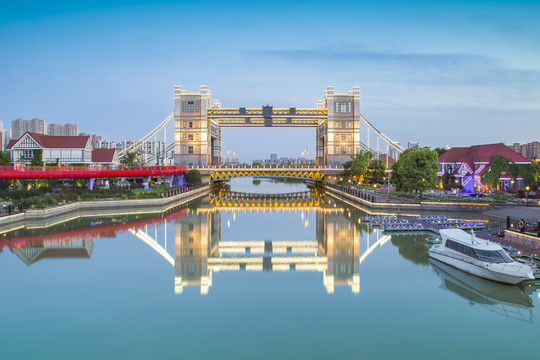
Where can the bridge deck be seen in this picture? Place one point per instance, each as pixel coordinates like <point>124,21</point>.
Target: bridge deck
<point>77,172</point>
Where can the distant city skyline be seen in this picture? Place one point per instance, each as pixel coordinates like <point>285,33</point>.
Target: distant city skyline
<point>437,73</point>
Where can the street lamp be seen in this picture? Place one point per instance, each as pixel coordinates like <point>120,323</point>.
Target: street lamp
<point>527,196</point>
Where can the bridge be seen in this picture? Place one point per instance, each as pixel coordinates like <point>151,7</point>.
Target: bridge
<point>87,172</point>
<point>337,121</point>
<point>341,129</point>
<point>306,172</point>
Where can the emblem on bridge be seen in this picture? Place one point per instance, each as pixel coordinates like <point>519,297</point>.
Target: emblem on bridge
<point>267,114</point>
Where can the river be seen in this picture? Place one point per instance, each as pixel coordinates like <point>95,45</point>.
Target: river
<point>235,277</point>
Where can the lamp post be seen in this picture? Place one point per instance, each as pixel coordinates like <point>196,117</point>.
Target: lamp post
<point>527,196</point>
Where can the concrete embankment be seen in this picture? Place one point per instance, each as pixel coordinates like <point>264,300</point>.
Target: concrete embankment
<point>35,217</point>
<point>378,203</point>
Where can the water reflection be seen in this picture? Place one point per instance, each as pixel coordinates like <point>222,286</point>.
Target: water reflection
<point>189,238</point>
<point>506,300</point>
<point>199,251</point>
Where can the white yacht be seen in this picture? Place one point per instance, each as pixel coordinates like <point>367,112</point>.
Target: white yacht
<point>479,257</point>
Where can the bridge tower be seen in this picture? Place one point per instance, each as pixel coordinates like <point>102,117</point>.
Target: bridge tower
<point>339,139</point>
<point>196,140</point>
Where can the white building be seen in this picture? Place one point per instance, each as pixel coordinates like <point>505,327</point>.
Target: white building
<point>65,149</point>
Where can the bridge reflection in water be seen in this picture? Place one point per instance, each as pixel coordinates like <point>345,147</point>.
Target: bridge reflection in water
<point>225,198</point>
<point>337,250</point>
<point>199,251</point>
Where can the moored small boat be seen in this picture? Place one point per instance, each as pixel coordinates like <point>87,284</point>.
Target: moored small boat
<point>479,257</point>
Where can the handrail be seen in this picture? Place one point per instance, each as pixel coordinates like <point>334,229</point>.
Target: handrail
<point>81,168</point>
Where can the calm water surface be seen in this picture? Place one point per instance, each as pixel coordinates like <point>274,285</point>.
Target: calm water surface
<point>234,282</point>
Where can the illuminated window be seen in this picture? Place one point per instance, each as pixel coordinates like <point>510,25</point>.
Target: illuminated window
<point>349,104</point>
<point>337,106</point>
<point>343,107</point>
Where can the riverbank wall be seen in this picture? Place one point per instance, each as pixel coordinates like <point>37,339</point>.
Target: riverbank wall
<point>378,203</point>
<point>169,200</point>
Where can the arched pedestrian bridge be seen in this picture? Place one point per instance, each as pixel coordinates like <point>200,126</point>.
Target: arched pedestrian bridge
<point>304,172</point>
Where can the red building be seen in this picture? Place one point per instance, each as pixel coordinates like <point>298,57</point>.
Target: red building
<point>467,164</point>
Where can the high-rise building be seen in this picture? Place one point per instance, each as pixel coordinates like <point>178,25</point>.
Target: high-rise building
<point>56,130</point>
<point>530,150</point>
<point>38,126</point>
<point>71,129</point>
<point>96,140</point>
<point>413,144</point>
<point>20,126</point>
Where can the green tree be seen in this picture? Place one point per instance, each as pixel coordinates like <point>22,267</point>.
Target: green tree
<point>256,163</point>
<point>440,151</point>
<point>396,179</point>
<point>193,176</point>
<point>132,158</point>
<point>377,168</point>
<point>5,159</point>
<point>37,159</point>
<point>360,162</point>
<point>493,173</point>
<point>416,170</point>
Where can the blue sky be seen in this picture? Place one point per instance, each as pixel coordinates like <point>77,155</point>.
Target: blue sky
<point>442,73</point>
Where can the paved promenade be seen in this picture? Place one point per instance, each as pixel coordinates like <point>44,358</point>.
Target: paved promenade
<point>531,214</point>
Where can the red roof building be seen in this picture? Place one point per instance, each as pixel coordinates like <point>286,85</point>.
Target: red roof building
<point>105,157</point>
<point>64,149</point>
<point>468,163</point>
<point>387,159</point>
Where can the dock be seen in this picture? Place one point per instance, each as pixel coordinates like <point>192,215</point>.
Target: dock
<point>404,224</point>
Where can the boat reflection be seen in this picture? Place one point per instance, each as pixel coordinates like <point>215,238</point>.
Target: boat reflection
<point>506,300</point>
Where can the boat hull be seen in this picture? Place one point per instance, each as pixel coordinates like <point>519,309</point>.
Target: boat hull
<point>480,270</point>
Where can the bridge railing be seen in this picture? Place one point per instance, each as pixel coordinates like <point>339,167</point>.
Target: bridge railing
<point>265,167</point>
<point>83,168</point>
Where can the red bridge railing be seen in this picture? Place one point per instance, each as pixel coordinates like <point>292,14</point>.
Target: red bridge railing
<point>89,171</point>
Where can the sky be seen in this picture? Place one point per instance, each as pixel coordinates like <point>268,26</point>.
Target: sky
<point>441,73</point>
